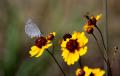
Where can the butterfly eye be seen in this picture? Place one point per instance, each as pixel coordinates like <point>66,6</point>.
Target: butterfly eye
<point>31,29</point>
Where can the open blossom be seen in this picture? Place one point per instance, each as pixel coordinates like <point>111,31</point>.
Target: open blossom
<point>73,46</point>
<point>41,43</point>
<point>86,71</point>
<point>91,23</point>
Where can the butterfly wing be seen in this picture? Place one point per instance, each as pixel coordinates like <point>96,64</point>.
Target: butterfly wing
<point>31,29</point>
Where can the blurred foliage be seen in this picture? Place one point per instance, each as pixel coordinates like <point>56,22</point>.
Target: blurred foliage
<point>12,39</point>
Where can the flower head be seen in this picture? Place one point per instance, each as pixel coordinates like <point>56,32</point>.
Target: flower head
<point>51,36</point>
<point>41,43</point>
<point>91,23</point>
<point>86,71</point>
<point>74,47</point>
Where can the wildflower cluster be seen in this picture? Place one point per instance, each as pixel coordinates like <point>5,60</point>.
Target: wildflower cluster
<point>73,46</point>
<point>41,43</point>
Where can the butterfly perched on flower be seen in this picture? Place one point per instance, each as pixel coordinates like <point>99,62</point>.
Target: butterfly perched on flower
<point>41,42</point>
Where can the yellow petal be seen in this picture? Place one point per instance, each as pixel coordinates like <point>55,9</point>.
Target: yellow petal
<point>43,49</point>
<point>74,35</point>
<point>82,39</point>
<point>83,51</point>
<point>85,27</point>
<point>98,72</point>
<point>54,33</point>
<point>72,58</point>
<point>87,71</point>
<point>76,56</point>
<point>63,44</point>
<point>40,52</point>
<point>98,17</point>
<point>47,45</point>
<point>34,50</point>
<point>69,59</point>
<point>65,54</point>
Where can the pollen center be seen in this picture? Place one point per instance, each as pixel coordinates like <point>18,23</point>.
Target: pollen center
<point>72,45</point>
<point>40,41</point>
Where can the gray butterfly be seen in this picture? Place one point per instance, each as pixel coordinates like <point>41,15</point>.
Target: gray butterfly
<point>31,29</point>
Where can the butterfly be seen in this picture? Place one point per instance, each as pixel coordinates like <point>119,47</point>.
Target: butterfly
<point>31,29</point>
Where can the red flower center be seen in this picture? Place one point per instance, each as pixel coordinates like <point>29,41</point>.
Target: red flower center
<point>50,37</point>
<point>81,73</point>
<point>67,36</point>
<point>40,41</point>
<point>72,45</point>
<point>92,21</point>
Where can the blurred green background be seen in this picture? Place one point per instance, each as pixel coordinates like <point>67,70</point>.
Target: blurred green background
<point>61,16</point>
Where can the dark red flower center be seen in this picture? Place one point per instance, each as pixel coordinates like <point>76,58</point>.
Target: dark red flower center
<point>50,37</point>
<point>81,73</point>
<point>40,41</point>
<point>67,36</point>
<point>90,30</point>
<point>72,45</point>
<point>92,21</point>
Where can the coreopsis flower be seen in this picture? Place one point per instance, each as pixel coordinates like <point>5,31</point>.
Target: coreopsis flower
<point>74,46</point>
<point>91,23</point>
<point>86,71</point>
<point>41,42</point>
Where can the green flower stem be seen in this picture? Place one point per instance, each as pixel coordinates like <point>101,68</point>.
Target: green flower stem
<point>56,62</point>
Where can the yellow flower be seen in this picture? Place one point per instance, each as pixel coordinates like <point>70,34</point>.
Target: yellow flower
<point>89,26</point>
<point>41,43</point>
<point>86,71</point>
<point>74,47</point>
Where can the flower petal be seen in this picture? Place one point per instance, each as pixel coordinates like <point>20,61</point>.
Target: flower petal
<point>83,51</point>
<point>34,50</point>
<point>98,17</point>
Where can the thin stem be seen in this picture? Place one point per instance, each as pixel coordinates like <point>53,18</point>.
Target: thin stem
<point>101,37</point>
<point>56,62</point>
<point>106,19</point>
<point>80,64</point>
<point>99,48</point>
